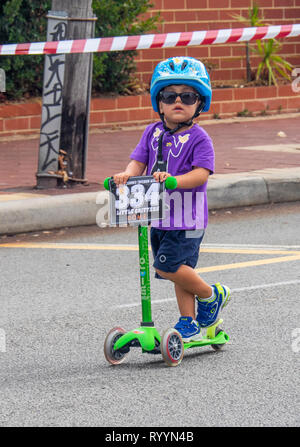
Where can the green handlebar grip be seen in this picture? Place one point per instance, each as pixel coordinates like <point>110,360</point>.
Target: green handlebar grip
<point>171,183</point>
<point>106,183</point>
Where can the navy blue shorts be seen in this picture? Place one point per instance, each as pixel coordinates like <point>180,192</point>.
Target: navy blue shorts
<point>173,248</point>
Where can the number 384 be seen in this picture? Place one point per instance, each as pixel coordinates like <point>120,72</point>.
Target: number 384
<point>136,196</point>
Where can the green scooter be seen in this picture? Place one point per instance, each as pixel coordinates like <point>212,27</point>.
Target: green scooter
<point>170,345</point>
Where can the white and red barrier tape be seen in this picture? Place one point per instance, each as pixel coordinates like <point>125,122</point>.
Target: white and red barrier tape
<point>142,42</point>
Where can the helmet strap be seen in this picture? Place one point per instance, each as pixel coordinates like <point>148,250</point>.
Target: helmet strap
<point>161,165</point>
<point>186,123</point>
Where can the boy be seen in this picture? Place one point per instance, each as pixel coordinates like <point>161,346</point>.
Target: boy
<point>180,90</point>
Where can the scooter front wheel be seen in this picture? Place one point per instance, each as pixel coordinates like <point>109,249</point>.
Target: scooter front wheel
<point>171,347</point>
<point>112,356</point>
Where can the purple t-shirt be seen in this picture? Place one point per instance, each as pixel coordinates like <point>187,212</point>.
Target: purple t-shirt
<point>187,208</point>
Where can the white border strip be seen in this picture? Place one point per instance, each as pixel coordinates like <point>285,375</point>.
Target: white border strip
<point>197,38</point>
<point>247,35</point>
<point>171,40</point>
<point>295,31</point>
<point>145,42</point>
<point>118,43</point>
<point>223,36</point>
<point>8,50</point>
<point>64,46</point>
<point>91,45</point>
<point>272,32</point>
<point>37,48</point>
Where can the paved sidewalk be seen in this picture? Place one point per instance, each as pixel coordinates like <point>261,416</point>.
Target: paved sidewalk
<point>252,155</point>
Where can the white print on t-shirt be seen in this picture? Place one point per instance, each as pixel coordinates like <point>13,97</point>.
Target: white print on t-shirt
<point>183,214</point>
<point>179,143</point>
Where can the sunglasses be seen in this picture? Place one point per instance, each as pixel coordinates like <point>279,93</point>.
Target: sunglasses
<point>187,98</point>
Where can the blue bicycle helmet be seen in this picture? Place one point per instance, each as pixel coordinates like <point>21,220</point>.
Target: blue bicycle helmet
<point>181,70</point>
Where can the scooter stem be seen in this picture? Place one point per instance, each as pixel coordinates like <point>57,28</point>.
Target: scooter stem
<point>145,276</point>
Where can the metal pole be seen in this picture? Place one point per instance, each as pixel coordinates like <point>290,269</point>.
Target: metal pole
<point>69,126</point>
<point>77,87</point>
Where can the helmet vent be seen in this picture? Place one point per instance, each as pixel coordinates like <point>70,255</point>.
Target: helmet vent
<point>184,64</point>
<point>172,66</point>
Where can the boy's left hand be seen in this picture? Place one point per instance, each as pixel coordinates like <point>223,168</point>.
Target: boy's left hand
<point>161,176</point>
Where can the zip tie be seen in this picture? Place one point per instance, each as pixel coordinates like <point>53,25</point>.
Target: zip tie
<point>73,19</point>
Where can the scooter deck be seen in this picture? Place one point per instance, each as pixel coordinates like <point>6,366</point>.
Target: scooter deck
<point>211,337</point>
<point>148,338</point>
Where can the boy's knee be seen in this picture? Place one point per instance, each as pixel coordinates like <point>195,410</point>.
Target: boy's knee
<point>167,275</point>
<point>163,274</point>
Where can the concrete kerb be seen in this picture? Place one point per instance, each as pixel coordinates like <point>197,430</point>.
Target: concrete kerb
<point>70,210</point>
<point>232,190</point>
<point>283,184</point>
<point>254,188</point>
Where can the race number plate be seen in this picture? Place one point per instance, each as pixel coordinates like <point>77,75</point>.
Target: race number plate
<point>139,202</point>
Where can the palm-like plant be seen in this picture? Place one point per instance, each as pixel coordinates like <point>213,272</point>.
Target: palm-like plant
<point>253,20</point>
<point>271,63</point>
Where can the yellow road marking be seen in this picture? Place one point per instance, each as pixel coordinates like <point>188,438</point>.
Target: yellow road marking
<point>249,251</point>
<point>290,255</point>
<point>82,246</point>
<point>59,246</point>
<point>246,264</point>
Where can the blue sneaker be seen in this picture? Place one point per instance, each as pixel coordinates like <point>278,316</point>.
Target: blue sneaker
<point>208,310</point>
<point>188,328</point>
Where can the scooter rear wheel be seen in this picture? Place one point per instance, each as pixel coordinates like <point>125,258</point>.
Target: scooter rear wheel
<point>219,346</point>
<point>112,356</point>
<point>171,347</point>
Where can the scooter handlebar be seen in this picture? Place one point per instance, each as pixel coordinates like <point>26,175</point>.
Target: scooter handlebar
<point>106,183</point>
<point>171,183</point>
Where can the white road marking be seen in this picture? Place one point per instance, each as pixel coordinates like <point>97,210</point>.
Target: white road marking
<point>258,246</point>
<point>237,290</point>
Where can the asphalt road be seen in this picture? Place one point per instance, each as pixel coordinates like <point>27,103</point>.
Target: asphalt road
<point>58,302</point>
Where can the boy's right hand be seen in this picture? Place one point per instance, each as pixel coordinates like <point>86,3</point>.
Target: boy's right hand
<point>121,178</point>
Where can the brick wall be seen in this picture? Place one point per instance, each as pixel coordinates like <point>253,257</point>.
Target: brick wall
<point>111,113</point>
<point>188,15</point>
<point>195,15</point>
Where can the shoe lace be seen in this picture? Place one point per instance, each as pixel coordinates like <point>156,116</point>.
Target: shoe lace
<point>182,324</point>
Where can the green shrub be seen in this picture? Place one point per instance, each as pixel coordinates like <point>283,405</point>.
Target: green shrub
<point>252,20</point>
<point>113,71</point>
<point>25,21</point>
<point>271,66</point>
